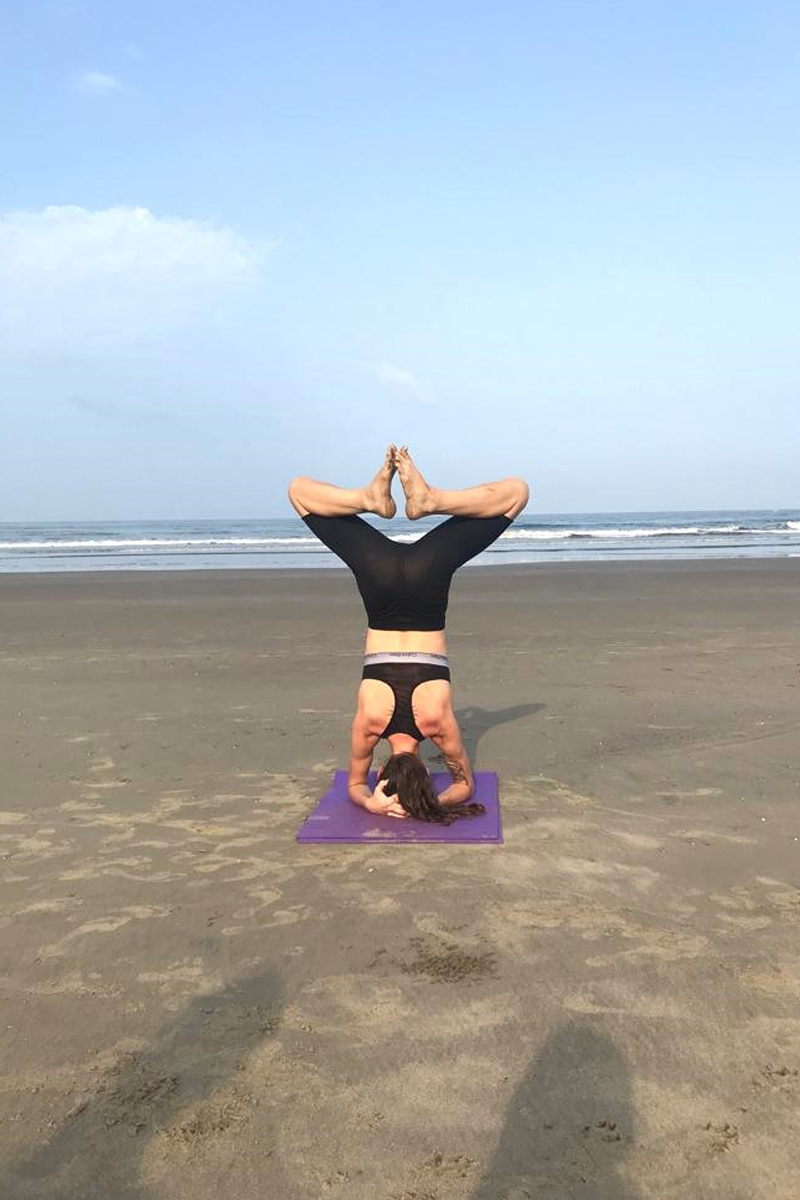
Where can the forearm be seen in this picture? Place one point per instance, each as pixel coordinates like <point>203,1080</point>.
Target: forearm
<point>360,794</point>
<point>456,793</point>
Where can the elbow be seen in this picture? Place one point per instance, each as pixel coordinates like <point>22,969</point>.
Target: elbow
<point>355,795</point>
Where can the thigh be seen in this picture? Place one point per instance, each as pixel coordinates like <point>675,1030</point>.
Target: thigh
<point>458,539</point>
<point>357,543</point>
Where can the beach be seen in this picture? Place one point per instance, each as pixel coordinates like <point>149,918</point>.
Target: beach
<point>605,1007</point>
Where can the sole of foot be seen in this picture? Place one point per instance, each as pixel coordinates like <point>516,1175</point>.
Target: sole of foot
<point>417,492</point>
<point>380,490</point>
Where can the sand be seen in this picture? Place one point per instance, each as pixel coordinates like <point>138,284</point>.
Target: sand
<point>607,1007</point>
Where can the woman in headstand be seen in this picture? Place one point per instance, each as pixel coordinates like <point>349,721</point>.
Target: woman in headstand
<point>404,694</point>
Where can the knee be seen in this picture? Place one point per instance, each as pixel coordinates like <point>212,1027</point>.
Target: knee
<point>296,491</point>
<point>521,495</point>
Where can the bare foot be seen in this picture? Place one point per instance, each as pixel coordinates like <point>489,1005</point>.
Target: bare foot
<point>419,496</point>
<point>380,490</point>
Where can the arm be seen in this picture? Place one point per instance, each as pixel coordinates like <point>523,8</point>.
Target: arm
<point>448,739</point>
<point>362,745</point>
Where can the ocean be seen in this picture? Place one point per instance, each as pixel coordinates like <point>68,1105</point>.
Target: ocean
<point>286,542</point>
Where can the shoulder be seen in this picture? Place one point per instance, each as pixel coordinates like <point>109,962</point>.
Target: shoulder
<point>375,703</point>
<point>445,732</point>
<point>432,703</point>
<point>365,728</point>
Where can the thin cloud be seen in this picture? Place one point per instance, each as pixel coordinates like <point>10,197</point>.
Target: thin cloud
<point>401,382</point>
<point>80,279</point>
<point>98,83</point>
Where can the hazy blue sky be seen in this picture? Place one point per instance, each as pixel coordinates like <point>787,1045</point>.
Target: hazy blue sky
<point>243,241</point>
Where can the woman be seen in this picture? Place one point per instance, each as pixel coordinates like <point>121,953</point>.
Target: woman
<point>404,694</point>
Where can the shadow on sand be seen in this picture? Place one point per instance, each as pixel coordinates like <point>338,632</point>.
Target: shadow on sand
<point>171,1086</point>
<point>474,722</point>
<point>568,1125</point>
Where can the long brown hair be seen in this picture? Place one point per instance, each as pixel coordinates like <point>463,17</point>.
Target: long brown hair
<point>407,776</point>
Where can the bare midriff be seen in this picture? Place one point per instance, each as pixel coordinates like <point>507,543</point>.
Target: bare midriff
<point>429,641</point>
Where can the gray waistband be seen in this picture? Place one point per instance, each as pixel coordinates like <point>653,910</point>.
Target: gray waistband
<point>387,656</point>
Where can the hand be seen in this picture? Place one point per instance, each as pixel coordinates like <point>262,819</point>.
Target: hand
<point>383,805</point>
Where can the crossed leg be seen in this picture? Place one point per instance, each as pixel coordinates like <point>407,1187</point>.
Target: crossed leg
<point>506,497</point>
<point>327,500</point>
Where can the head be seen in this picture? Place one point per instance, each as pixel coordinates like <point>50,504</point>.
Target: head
<point>407,776</point>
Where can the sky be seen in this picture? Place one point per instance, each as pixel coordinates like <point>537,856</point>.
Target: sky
<point>242,242</point>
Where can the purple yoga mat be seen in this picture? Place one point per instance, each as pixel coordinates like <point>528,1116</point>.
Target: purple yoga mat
<point>337,819</point>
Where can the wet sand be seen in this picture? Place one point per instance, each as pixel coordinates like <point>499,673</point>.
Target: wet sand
<point>607,1007</point>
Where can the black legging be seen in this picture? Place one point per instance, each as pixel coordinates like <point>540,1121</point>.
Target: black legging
<point>405,585</point>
